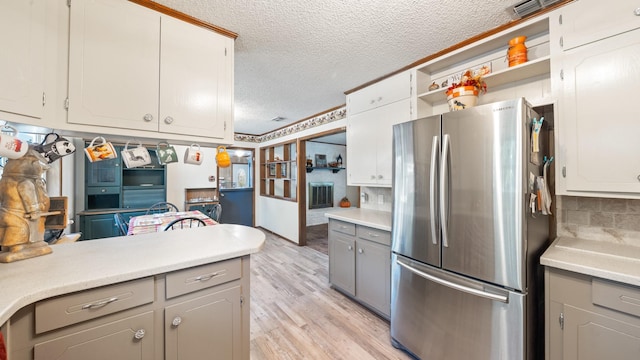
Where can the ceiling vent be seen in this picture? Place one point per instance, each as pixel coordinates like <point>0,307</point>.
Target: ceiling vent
<point>527,7</point>
<point>278,119</point>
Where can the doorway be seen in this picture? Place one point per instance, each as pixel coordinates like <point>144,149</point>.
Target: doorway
<point>236,188</point>
<point>323,183</point>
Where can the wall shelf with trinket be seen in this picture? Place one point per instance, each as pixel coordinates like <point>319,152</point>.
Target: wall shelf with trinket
<point>488,56</point>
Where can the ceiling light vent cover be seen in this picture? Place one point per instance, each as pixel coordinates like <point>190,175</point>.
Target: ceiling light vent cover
<point>278,119</point>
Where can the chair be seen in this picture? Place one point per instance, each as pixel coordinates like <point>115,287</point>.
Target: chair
<point>185,223</point>
<point>215,212</point>
<point>121,224</point>
<point>161,207</point>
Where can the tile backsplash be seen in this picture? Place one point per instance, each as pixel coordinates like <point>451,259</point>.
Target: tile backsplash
<point>603,219</point>
<point>375,198</point>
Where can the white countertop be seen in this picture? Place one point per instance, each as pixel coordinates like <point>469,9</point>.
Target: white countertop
<point>606,260</point>
<point>93,263</point>
<point>372,218</point>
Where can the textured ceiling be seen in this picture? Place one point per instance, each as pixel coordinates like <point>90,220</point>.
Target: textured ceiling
<point>295,59</point>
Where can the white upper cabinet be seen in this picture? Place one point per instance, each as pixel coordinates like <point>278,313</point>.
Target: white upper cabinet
<point>598,143</point>
<point>22,63</point>
<point>370,143</point>
<point>134,68</point>
<point>196,82</point>
<point>371,114</point>
<point>113,65</point>
<point>592,20</point>
<point>381,93</point>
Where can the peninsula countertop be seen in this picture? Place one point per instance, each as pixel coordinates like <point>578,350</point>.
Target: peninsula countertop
<point>605,260</point>
<point>94,263</point>
<point>372,218</point>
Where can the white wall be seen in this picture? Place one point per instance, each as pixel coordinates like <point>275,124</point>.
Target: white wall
<point>281,216</point>
<point>181,176</point>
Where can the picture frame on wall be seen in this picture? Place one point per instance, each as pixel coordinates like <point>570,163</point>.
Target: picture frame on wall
<point>283,171</point>
<point>272,170</point>
<point>321,160</point>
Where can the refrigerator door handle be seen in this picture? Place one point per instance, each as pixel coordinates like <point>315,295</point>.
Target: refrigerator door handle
<point>444,162</point>
<point>449,284</point>
<point>433,183</point>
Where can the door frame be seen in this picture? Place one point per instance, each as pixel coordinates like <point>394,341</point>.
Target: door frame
<point>253,177</point>
<point>302,180</point>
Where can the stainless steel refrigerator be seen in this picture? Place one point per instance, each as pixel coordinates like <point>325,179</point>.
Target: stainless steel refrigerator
<point>466,280</point>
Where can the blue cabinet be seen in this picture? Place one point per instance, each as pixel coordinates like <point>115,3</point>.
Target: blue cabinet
<point>102,225</point>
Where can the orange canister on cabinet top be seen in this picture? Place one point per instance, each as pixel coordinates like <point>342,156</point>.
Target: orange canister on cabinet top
<point>517,52</point>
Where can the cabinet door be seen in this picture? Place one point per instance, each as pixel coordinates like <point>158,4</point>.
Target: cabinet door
<point>389,115</point>
<point>600,124</point>
<point>98,226</point>
<point>373,275</point>
<point>103,173</point>
<point>127,339</point>
<point>113,64</point>
<point>342,267</point>
<point>369,140</point>
<point>204,328</point>
<point>385,92</point>
<point>22,40</point>
<point>194,76</point>
<point>586,21</point>
<point>589,336</point>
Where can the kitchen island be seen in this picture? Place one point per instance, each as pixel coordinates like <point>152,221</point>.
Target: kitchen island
<point>144,288</point>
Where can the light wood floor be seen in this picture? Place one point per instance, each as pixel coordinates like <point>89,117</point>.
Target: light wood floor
<point>296,315</point>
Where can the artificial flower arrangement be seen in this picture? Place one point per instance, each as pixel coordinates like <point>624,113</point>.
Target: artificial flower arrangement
<point>464,94</point>
<point>469,79</point>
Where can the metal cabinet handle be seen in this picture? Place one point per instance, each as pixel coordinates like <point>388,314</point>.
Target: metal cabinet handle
<point>176,321</point>
<point>99,303</point>
<point>168,120</point>
<point>638,178</point>
<point>637,11</point>
<point>373,234</point>
<point>206,277</point>
<point>380,177</point>
<point>360,251</point>
<point>373,177</point>
<point>147,117</point>
<point>349,247</point>
<point>139,334</point>
<point>103,190</point>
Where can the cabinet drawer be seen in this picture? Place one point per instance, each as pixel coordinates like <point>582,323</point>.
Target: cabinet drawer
<point>616,296</point>
<point>375,235</point>
<point>97,190</point>
<point>201,277</point>
<point>342,226</point>
<point>73,308</point>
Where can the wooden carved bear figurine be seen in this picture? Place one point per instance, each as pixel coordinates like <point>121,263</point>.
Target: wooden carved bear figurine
<point>23,208</point>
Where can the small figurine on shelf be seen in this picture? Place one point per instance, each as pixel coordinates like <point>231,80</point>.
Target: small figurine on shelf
<point>309,163</point>
<point>434,86</point>
<point>339,160</point>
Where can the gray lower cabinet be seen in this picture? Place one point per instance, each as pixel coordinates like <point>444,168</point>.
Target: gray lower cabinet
<point>115,340</point>
<point>590,318</point>
<point>360,264</point>
<point>195,313</point>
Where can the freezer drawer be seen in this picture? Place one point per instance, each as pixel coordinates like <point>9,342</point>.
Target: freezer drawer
<point>439,315</point>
